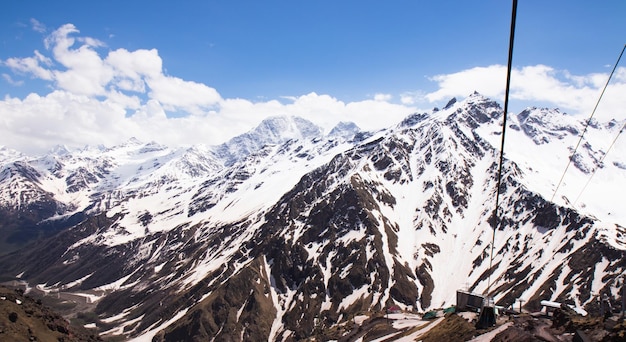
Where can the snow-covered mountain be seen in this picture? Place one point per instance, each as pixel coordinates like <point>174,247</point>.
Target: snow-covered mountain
<point>283,227</point>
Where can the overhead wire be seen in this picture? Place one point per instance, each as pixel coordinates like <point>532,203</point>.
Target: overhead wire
<point>600,163</point>
<point>506,109</point>
<point>587,123</point>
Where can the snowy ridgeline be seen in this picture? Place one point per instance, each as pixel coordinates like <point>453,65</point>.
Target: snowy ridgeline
<point>326,225</point>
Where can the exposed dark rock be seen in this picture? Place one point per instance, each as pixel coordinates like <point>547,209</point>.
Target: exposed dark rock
<point>23,319</point>
<point>241,307</point>
<point>450,103</point>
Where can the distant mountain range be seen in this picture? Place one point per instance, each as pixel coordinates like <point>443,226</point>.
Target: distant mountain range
<point>283,227</point>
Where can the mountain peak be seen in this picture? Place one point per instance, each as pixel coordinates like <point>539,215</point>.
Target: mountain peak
<point>133,141</point>
<point>280,128</point>
<point>272,130</point>
<point>8,153</point>
<point>60,150</point>
<point>477,97</point>
<point>474,110</point>
<point>542,124</point>
<point>450,103</point>
<point>345,130</point>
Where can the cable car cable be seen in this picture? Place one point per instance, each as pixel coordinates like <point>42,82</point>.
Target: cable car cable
<point>587,124</point>
<point>506,109</point>
<point>599,163</point>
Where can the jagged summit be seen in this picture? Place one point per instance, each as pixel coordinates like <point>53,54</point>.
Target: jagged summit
<point>9,154</point>
<point>414,119</point>
<point>344,130</point>
<point>280,128</point>
<point>450,103</point>
<point>132,141</point>
<point>544,124</point>
<point>475,110</point>
<point>60,150</point>
<point>273,130</point>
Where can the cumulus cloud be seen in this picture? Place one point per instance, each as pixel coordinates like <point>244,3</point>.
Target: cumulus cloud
<point>576,94</point>
<point>33,123</point>
<point>77,66</point>
<point>131,68</point>
<point>104,96</point>
<point>489,81</point>
<point>174,93</point>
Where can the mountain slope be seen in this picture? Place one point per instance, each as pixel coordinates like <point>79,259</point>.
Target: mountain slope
<point>269,238</point>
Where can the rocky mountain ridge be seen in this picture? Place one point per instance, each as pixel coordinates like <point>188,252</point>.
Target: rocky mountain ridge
<point>261,239</point>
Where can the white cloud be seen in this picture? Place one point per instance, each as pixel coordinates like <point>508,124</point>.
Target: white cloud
<point>412,97</point>
<point>85,72</point>
<point>105,97</point>
<point>488,81</point>
<point>327,111</point>
<point>134,66</point>
<point>11,81</point>
<point>383,97</point>
<point>37,25</point>
<point>31,65</point>
<point>174,92</point>
<point>576,94</point>
<point>37,123</point>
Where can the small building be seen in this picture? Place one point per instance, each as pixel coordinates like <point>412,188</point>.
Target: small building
<point>468,301</point>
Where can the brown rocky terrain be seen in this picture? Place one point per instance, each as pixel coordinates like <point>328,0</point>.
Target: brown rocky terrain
<point>23,318</point>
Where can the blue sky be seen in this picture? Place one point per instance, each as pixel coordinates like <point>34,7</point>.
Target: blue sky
<point>211,69</point>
